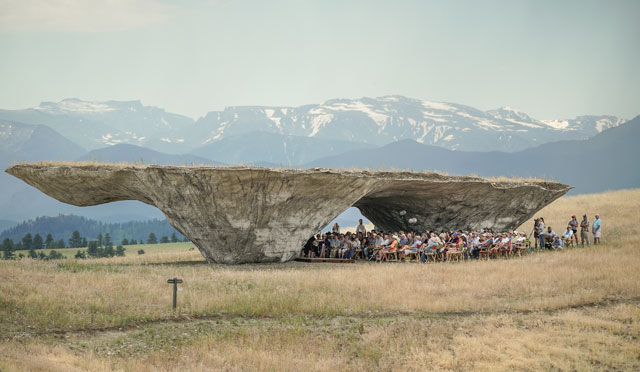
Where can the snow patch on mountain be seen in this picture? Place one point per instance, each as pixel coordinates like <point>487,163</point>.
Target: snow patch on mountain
<point>319,121</point>
<point>73,105</point>
<point>438,106</point>
<point>603,124</point>
<point>557,124</point>
<point>275,119</point>
<point>376,116</point>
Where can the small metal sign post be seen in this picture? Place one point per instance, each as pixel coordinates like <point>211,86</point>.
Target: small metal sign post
<point>175,282</point>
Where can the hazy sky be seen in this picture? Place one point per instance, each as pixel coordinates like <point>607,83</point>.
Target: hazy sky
<point>551,59</point>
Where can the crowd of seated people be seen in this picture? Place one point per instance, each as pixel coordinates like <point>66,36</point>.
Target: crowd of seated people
<point>439,246</point>
<point>403,246</point>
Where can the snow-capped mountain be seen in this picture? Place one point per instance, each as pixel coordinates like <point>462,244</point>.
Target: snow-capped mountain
<point>97,124</point>
<point>387,119</point>
<point>590,125</point>
<point>374,121</point>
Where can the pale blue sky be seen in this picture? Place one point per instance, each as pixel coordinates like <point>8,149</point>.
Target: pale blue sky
<point>551,59</point>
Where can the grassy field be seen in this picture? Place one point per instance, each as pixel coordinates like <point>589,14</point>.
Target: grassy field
<point>131,250</point>
<point>573,310</point>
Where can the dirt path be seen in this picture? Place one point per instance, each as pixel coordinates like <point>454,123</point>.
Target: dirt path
<point>372,315</point>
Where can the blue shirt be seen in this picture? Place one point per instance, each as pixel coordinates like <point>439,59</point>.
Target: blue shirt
<point>596,224</point>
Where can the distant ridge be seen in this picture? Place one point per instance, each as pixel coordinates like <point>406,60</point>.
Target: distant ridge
<point>126,153</point>
<point>263,148</point>
<point>608,161</point>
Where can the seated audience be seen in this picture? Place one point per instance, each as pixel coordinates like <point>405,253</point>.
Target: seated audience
<point>382,246</point>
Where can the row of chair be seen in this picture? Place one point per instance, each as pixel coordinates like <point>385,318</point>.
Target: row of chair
<point>455,253</point>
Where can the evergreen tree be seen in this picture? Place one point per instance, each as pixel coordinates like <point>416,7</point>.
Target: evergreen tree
<point>8,249</point>
<point>37,242</point>
<point>76,240</point>
<point>53,255</point>
<point>92,249</point>
<point>164,240</point>
<point>108,251</point>
<point>174,238</point>
<point>185,240</point>
<point>100,240</point>
<point>107,240</point>
<point>120,251</point>
<point>125,241</point>
<point>27,241</point>
<point>41,255</point>
<point>80,255</point>
<point>133,242</point>
<point>60,244</point>
<point>140,251</point>
<point>152,239</point>
<point>84,242</point>
<point>48,241</point>
<point>32,253</point>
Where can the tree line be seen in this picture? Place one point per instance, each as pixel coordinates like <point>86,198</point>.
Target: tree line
<point>101,247</point>
<point>62,226</point>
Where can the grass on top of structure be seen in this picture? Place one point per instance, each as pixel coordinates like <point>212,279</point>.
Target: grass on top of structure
<point>364,171</point>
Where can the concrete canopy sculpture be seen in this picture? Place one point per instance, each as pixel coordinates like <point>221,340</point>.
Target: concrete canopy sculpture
<point>247,214</point>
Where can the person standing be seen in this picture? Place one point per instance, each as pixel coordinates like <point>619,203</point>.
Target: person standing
<point>360,229</point>
<point>336,228</point>
<point>596,229</point>
<point>584,230</point>
<point>574,227</point>
<point>541,232</point>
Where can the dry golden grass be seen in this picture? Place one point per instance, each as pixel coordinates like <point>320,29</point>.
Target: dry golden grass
<point>590,338</point>
<point>573,310</point>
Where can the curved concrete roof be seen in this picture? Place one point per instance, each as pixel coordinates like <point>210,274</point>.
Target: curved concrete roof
<point>249,214</point>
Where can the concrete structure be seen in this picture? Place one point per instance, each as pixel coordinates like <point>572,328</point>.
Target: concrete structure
<point>246,214</point>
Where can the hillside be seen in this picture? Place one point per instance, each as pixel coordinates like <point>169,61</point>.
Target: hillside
<point>125,153</point>
<point>262,147</point>
<point>25,142</point>
<point>5,224</point>
<point>62,226</point>
<point>19,201</point>
<point>605,162</point>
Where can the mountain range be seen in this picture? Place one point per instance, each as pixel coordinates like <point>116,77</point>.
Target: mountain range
<point>606,161</point>
<point>386,132</point>
<point>373,121</point>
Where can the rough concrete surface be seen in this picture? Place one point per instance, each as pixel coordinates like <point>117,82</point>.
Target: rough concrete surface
<point>248,214</point>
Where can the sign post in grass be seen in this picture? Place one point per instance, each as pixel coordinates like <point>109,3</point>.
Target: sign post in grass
<point>175,282</point>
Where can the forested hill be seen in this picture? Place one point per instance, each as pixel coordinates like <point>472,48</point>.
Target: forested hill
<point>62,226</point>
